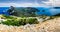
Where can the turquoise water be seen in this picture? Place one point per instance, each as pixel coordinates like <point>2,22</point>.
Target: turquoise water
<point>3,10</point>
<point>43,11</point>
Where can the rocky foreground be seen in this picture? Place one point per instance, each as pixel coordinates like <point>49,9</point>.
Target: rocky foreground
<point>52,25</point>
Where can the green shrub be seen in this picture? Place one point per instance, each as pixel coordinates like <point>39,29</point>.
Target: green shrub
<point>13,22</point>
<point>33,21</point>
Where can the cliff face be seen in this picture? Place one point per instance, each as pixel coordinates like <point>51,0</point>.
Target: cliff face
<point>52,25</point>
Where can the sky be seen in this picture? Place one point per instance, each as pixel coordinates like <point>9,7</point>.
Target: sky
<point>29,3</point>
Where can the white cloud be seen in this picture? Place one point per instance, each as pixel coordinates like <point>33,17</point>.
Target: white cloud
<point>46,3</point>
<point>19,4</point>
<point>52,3</point>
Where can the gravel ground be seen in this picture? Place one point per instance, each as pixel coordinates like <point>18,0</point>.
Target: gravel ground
<point>52,25</point>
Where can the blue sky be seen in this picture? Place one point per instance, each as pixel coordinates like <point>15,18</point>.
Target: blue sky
<point>15,1</point>
<point>21,2</point>
<point>6,1</point>
<point>30,3</point>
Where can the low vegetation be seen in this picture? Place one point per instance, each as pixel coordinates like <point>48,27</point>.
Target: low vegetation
<point>17,21</point>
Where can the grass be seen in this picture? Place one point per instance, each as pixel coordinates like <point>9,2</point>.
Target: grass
<point>17,21</point>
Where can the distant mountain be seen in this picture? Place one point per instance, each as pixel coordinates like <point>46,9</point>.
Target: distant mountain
<point>22,11</point>
<point>30,11</point>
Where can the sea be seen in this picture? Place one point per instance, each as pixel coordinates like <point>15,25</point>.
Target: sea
<point>46,10</point>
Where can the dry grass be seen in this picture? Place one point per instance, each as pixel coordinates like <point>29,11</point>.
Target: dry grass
<point>52,25</point>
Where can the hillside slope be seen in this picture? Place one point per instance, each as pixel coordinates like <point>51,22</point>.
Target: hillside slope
<point>52,25</point>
